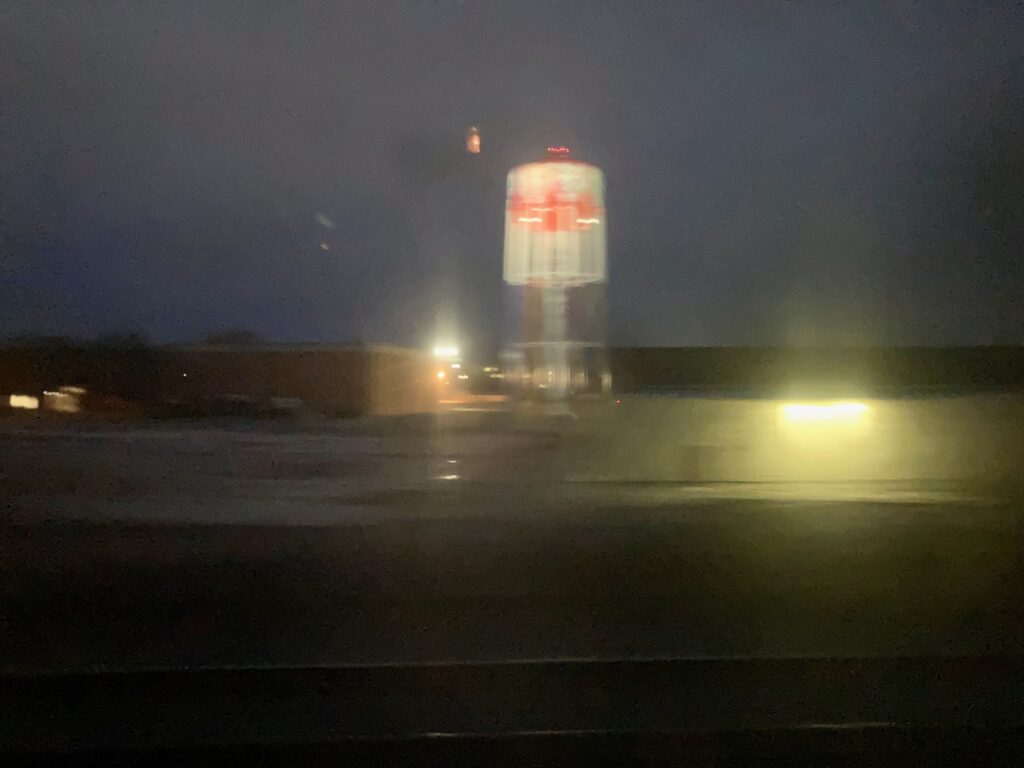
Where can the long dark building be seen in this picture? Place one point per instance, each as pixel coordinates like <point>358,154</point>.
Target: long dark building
<point>331,379</point>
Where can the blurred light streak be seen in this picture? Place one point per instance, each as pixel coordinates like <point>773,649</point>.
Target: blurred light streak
<point>27,402</point>
<point>816,413</point>
<point>448,352</point>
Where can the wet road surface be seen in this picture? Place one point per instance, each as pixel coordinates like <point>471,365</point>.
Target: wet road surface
<point>233,546</point>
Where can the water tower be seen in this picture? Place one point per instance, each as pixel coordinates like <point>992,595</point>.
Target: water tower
<point>555,274</point>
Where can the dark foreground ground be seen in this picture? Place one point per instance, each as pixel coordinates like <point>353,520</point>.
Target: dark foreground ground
<point>244,545</point>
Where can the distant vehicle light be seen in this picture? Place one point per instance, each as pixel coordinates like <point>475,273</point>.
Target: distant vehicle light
<point>441,375</point>
<point>473,140</point>
<point>463,377</point>
<point>846,412</point>
<point>27,402</point>
<point>456,365</point>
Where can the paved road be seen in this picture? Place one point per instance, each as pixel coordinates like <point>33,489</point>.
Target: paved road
<point>353,544</point>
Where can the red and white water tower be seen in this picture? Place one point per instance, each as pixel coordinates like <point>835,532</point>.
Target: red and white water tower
<point>555,273</point>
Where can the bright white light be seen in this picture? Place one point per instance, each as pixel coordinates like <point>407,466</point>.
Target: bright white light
<point>456,365</point>
<point>839,412</point>
<point>447,477</point>
<point>28,402</point>
<point>531,219</point>
<point>588,221</point>
<point>463,376</point>
<point>446,352</point>
<point>441,375</point>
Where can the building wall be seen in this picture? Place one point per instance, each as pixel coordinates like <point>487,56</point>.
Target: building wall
<point>325,380</point>
<point>337,380</point>
<point>341,380</point>
<point>400,381</point>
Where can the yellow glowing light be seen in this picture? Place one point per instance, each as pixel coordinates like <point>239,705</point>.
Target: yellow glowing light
<point>441,375</point>
<point>463,377</point>
<point>845,412</point>
<point>65,401</point>
<point>446,352</point>
<point>473,140</point>
<point>28,402</point>
<point>588,221</point>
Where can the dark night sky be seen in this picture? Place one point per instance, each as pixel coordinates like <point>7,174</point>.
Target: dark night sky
<point>777,172</point>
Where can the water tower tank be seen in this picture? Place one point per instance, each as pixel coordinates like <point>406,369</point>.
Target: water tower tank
<point>555,274</point>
